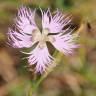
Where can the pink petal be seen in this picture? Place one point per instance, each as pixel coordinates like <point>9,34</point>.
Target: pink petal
<point>27,32</point>
<point>65,43</point>
<point>40,57</point>
<point>45,18</point>
<point>55,23</point>
<point>25,20</point>
<point>18,40</point>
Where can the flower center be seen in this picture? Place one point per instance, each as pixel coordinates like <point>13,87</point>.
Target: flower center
<point>43,38</point>
<point>44,35</point>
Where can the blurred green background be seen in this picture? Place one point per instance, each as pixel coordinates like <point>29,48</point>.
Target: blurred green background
<point>73,76</point>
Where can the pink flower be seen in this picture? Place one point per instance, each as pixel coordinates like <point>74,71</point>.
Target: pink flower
<point>26,34</point>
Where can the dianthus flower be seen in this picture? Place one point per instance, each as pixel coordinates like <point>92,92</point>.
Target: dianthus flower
<point>26,34</point>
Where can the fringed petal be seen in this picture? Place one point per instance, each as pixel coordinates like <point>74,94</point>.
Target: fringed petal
<point>25,21</point>
<point>65,43</point>
<point>40,57</point>
<point>18,40</point>
<point>55,23</point>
